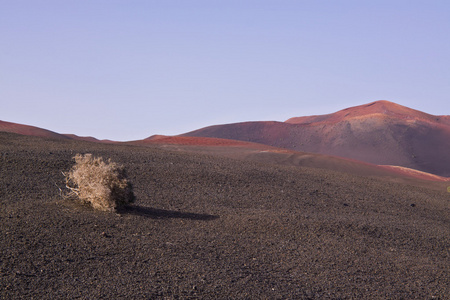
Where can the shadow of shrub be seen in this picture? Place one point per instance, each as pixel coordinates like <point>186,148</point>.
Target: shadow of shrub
<point>155,213</point>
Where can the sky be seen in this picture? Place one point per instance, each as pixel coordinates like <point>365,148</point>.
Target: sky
<point>125,70</point>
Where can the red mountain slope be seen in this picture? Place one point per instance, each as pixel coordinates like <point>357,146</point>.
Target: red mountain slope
<point>40,132</point>
<point>88,139</point>
<point>381,109</point>
<point>267,154</point>
<point>253,151</point>
<point>381,132</point>
<point>29,130</point>
<point>198,141</point>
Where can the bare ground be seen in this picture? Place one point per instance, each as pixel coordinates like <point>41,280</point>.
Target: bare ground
<point>215,228</point>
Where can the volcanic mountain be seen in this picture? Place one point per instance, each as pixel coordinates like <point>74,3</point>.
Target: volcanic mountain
<point>381,132</point>
<point>41,132</point>
<point>29,130</point>
<point>280,142</point>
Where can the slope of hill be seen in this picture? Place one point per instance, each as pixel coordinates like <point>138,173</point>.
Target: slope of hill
<point>40,132</point>
<point>197,141</point>
<point>381,109</point>
<point>29,130</point>
<point>87,138</point>
<point>252,151</point>
<point>248,151</point>
<point>207,227</point>
<point>382,133</point>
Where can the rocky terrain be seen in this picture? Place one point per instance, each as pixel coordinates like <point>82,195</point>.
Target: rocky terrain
<point>214,227</point>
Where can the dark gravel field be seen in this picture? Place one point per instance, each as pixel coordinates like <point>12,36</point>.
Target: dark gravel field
<point>206,227</point>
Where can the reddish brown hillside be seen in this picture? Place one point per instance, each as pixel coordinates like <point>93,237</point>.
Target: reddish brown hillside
<point>268,133</point>
<point>198,141</point>
<point>270,155</point>
<point>381,109</point>
<point>88,139</point>
<point>382,133</point>
<point>29,130</point>
<point>40,132</point>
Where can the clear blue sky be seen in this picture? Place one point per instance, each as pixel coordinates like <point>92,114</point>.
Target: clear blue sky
<point>127,69</point>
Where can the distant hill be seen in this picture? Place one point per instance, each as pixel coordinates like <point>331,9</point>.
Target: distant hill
<point>251,151</point>
<point>40,132</point>
<point>87,138</point>
<point>198,141</point>
<point>381,132</point>
<point>29,130</point>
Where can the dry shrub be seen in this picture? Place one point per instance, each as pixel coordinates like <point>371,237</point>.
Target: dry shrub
<point>101,184</point>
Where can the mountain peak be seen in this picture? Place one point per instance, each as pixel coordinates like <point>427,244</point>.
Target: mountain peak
<point>384,107</point>
<point>380,108</point>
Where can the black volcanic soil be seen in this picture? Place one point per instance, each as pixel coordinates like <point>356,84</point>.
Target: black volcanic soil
<point>215,228</point>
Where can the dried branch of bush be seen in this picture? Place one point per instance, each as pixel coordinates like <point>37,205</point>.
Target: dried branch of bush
<point>101,184</point>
